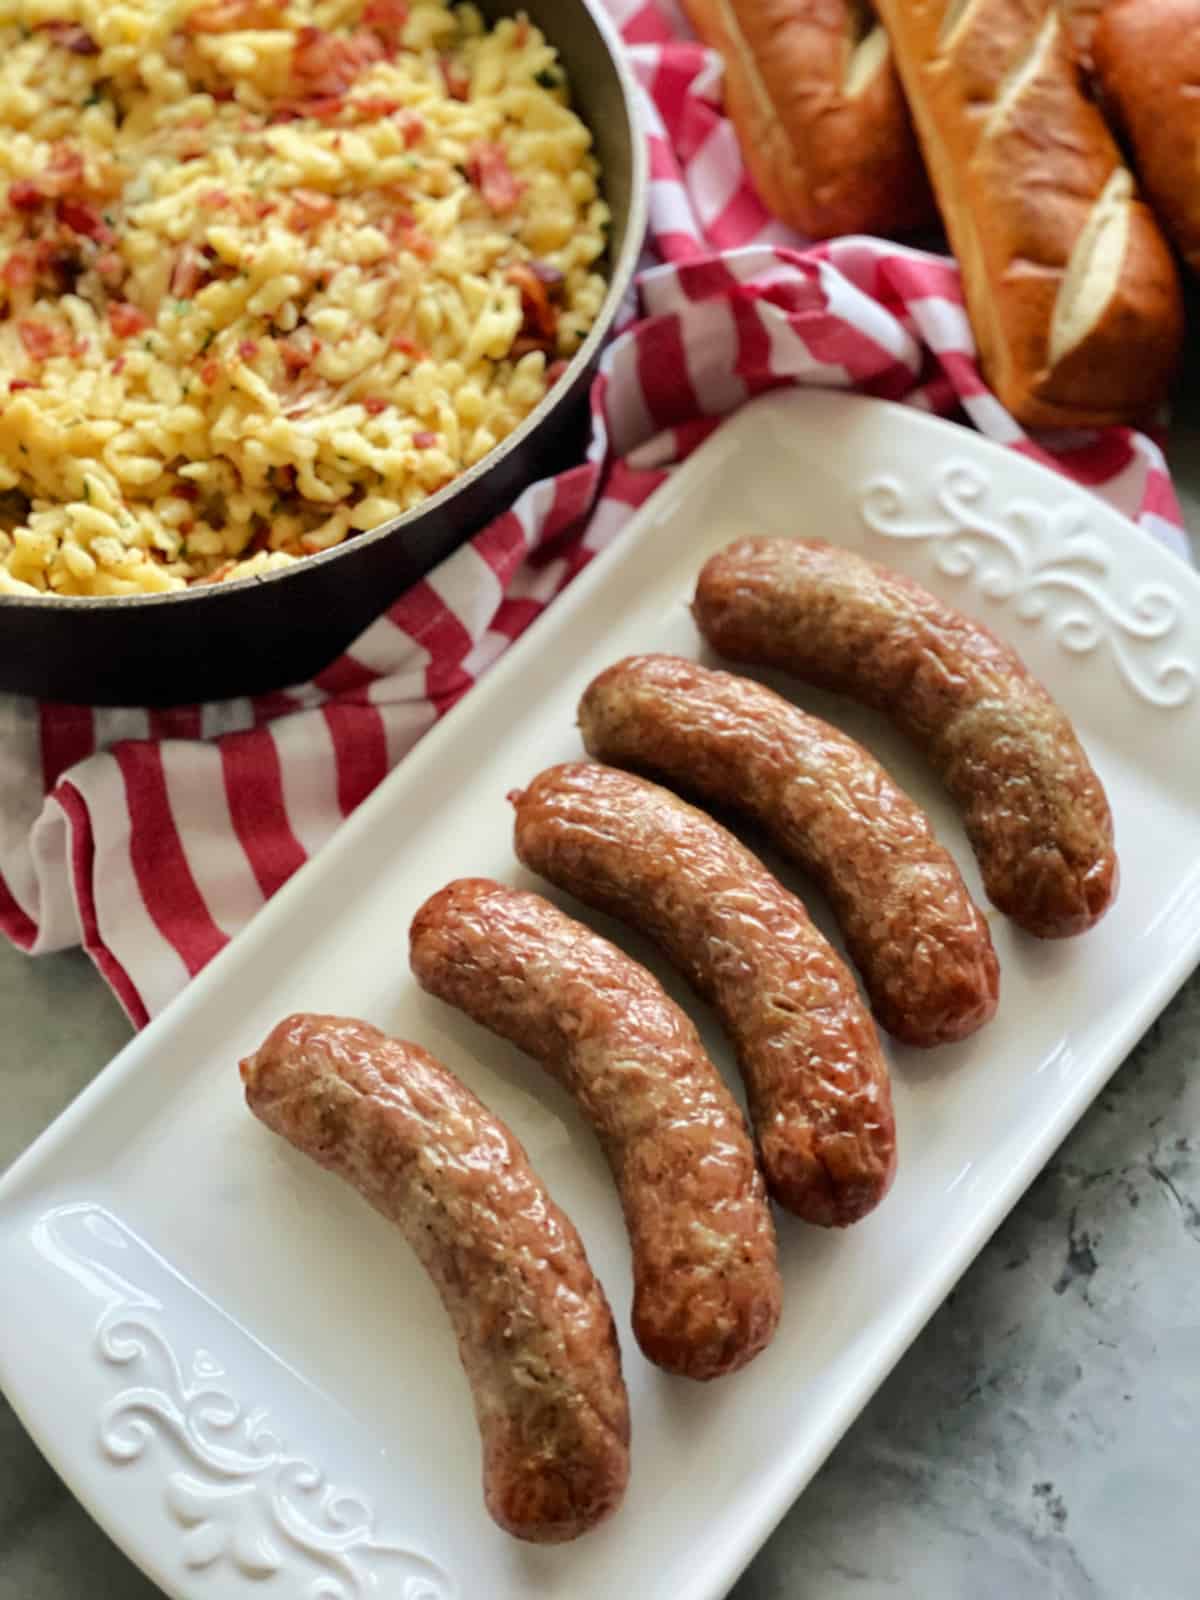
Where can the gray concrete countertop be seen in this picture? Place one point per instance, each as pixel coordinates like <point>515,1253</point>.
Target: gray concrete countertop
<point>1040,1441</point>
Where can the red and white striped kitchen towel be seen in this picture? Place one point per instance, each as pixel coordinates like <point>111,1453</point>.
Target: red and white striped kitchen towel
<point>151,837</point>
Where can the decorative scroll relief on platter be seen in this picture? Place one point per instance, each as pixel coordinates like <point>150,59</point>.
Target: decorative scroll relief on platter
<point>1049,564</point>
<point>236,1495</point>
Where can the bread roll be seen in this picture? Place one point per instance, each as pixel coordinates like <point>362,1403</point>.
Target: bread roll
<point>1070,286</point>
<point>1148,64</point>
<point>1080,18</point>
<point>819,113</point>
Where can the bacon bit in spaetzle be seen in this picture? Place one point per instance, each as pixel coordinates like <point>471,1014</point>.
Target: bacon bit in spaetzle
<point>298,359</point>
<point>39,339</point>
<point>125,320</point>
<point>326,64</point>
<point>70,37</point>
<point>234,16</point>
<point>489,171</point>
<point>540,317</point>
<point>25,195</point>
<point>456,78</point>
<point>388,19</point>
<point>19,271</point>
<point>85,220</point>
<point>191,269</point>
<point>309,207</point>
<point>412,127</point>
<point>65,171</point>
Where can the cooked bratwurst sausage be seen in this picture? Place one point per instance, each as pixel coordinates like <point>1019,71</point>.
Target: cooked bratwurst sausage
<point>706,1286</point>
<point>535,1333</point>
<point>912,929</point>
<point>815,1076</point>
<point>1034,810</point>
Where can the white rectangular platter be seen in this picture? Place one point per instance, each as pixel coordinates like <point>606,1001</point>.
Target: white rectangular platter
<point>238,1367</point>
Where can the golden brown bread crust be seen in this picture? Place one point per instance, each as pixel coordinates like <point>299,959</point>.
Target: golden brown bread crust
<point>920,944</point>
<point>535,1333</point>
<point>1070,286</point>
<point>1147,57</point>
<point>706,1286</point>
<point>819,113</point>
<point>815,1076</point>
<point>1080,18</point>
<point>1035,812</point>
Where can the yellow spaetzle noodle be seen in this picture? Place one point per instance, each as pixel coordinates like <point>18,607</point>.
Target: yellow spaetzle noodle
<point>271,272</point>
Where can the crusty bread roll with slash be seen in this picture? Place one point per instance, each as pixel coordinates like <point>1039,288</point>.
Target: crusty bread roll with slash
<point>819,112</point>
<point>1148,62</point>
<point>1070,286</point>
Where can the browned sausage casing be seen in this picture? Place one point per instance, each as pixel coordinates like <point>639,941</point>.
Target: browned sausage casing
<point>1035,812</point>
<point>815,1076</point>
<point>915,934</point>
<point>534,1330</point>
<point>706,1285</point>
